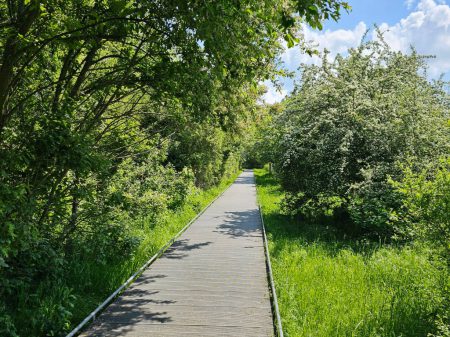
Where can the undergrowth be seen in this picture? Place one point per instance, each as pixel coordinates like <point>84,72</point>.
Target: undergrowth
<point>331,285</point>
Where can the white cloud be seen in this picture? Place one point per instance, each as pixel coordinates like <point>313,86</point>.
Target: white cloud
<point>426,28</point>
<point>335,41</point>
<point>273,94</point>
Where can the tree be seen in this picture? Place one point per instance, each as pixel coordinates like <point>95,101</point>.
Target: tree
<point>348,125</point>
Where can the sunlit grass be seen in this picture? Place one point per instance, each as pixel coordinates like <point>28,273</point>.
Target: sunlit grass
<point>331,285</point>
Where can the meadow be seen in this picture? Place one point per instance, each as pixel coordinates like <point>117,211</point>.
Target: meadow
<point>330,284</point>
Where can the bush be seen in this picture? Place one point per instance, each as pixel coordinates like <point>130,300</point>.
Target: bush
<point>425,212</point>
<point>139,190</point>
<point>348,125</point>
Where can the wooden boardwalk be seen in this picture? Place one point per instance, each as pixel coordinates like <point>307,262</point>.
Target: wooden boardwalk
<point>211,282</point>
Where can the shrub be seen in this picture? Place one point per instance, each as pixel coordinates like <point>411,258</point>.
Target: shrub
<point>425,212</point>
<point>347,126</point>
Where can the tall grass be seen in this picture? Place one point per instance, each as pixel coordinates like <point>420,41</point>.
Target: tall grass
<point>332,285</point>
<point>93,282</point>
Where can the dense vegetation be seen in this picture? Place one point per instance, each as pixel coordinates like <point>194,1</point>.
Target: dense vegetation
<point>120,119</point>
<point>361,152</point>
<point>350,127</point>
<point>330,284</point>
<point>114,116</point>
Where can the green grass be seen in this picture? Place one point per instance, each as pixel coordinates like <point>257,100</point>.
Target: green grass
<point>92,282</point>
<point>330,285</point>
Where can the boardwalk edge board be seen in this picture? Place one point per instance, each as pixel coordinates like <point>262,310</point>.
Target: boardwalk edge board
<point>92,316</point>
<point>276,311</point>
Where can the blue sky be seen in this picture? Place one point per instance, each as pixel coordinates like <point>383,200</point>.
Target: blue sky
<point>425,24</point>
<point>371,11</point>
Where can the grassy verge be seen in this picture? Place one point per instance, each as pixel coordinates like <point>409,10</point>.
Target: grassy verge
<point>330,285</point>
<point>92,283</point>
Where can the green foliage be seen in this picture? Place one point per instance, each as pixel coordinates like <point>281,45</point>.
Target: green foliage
<point>206,150</point>
<point>331,285</point>
<point>95,97</point>
<point>260,143</point>
<point>110,111</point>
<point>425,205</point>
<point>347,126</point>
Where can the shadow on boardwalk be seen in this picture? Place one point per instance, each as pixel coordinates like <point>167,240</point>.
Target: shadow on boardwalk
<point>247,180</point>
<point>130,309</point>
<point>181,248</point>
<point>241,224</point>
